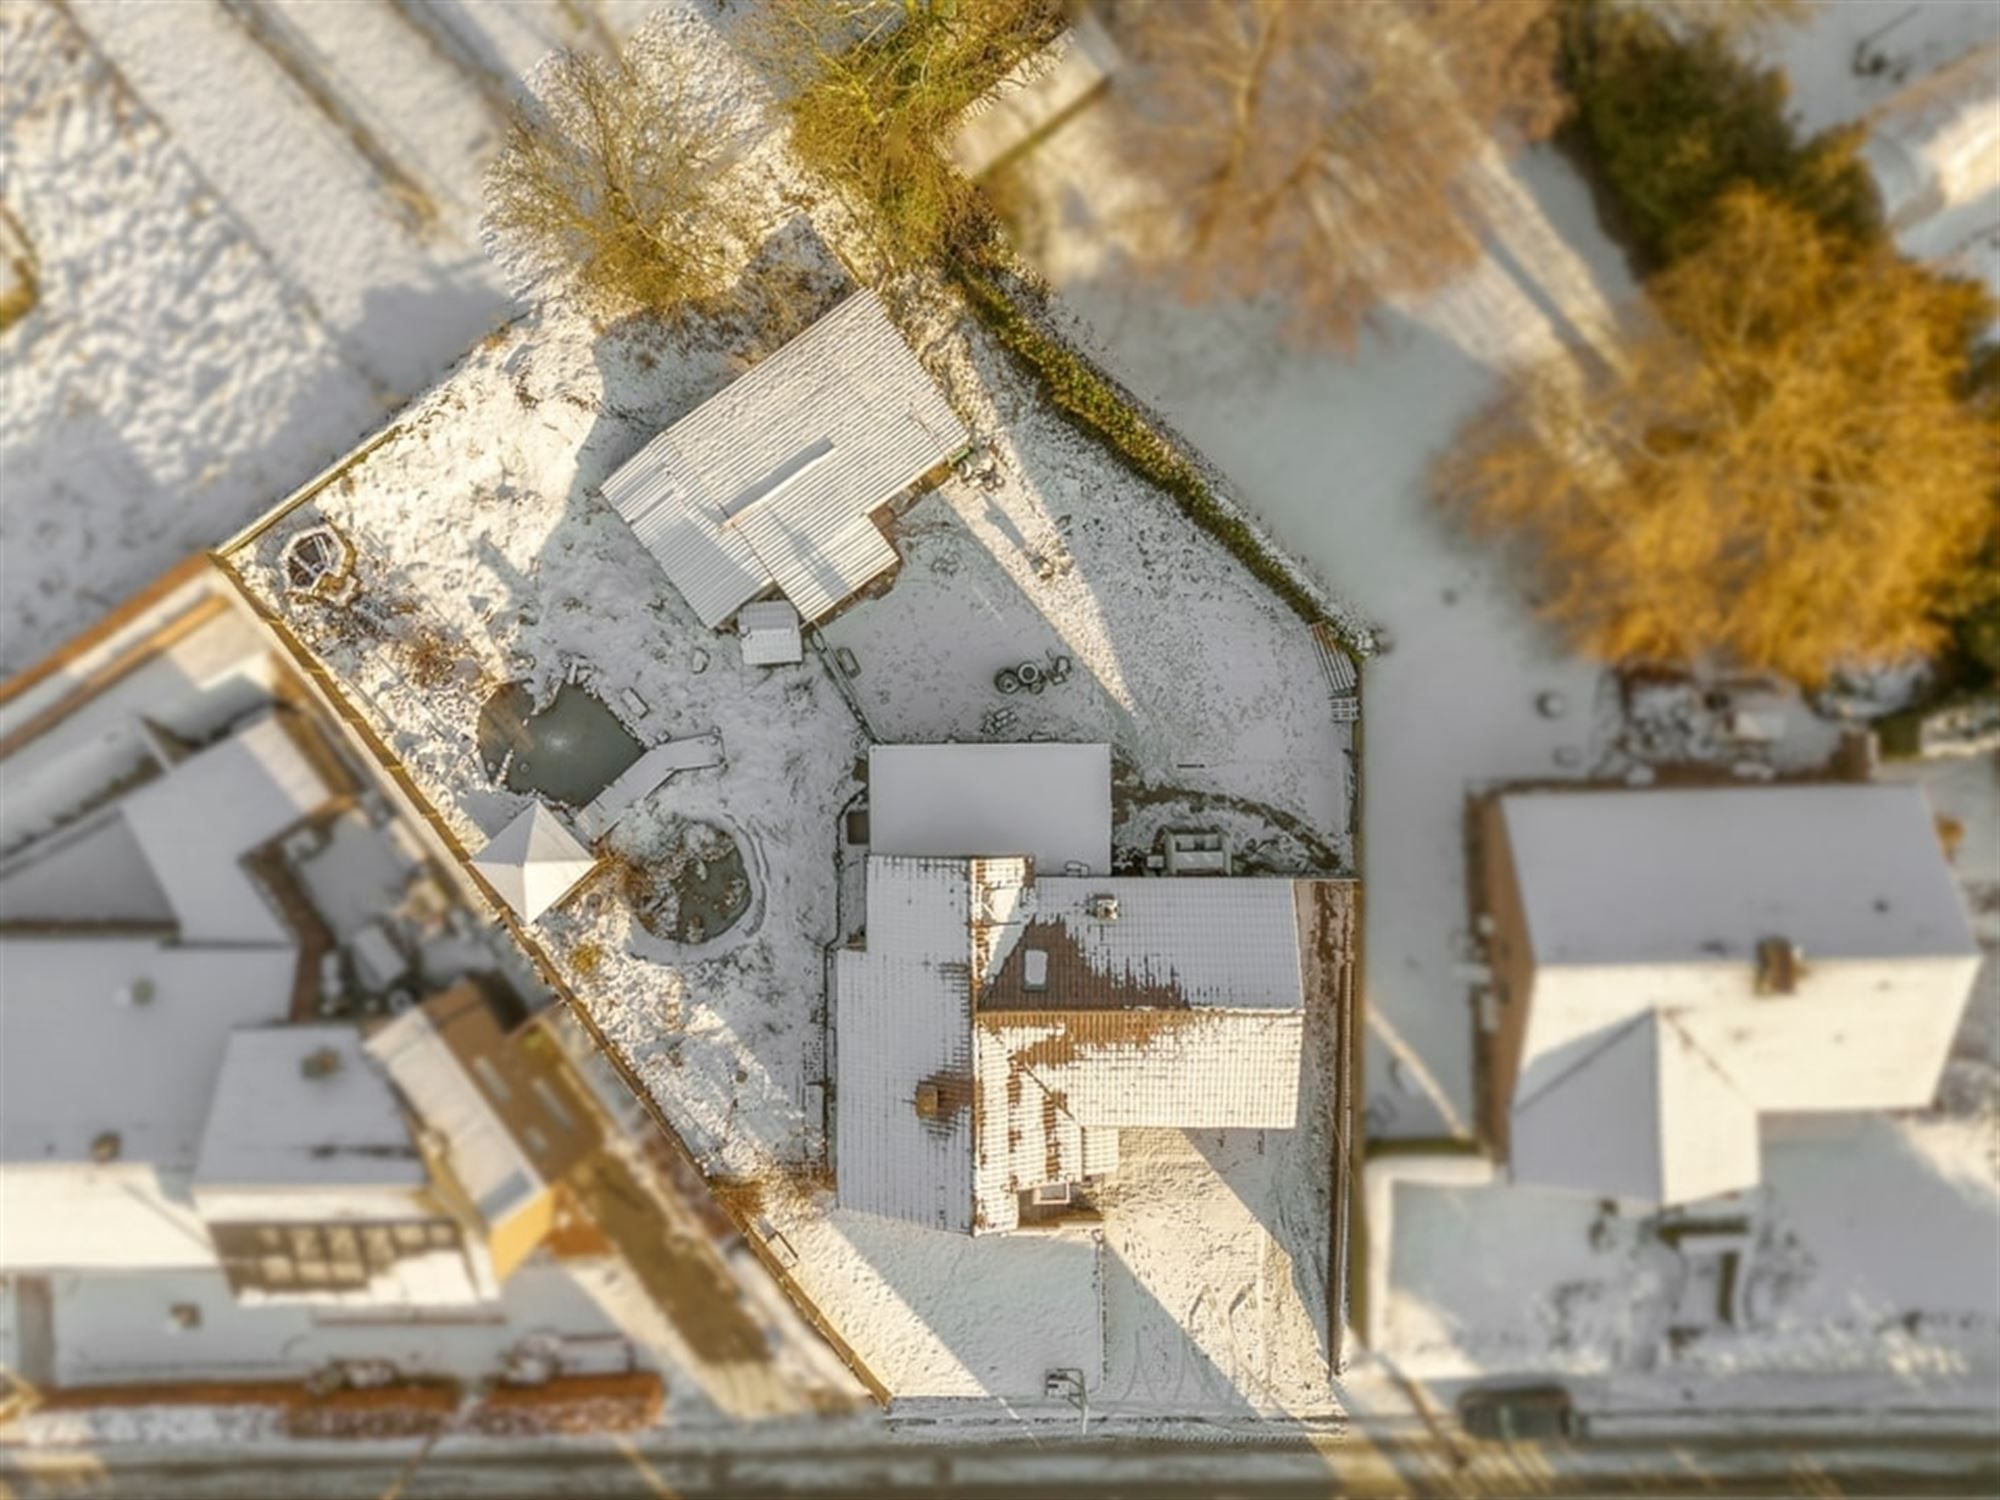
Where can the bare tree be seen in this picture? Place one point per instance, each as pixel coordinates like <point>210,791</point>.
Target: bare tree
<point>874,87</point>
<point>1313,151</point>
<point>613,174</point>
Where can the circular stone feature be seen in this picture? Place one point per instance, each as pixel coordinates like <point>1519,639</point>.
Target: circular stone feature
<point>691,888</point>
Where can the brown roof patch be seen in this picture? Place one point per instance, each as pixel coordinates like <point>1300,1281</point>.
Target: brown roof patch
<point>1074,983</point>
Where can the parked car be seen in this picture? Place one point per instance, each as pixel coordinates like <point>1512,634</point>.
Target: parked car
<point>1520,1414</point>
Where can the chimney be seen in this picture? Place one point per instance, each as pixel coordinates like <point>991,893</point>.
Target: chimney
<point>1780,965</point>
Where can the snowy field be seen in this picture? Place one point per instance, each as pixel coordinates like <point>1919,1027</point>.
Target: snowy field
<point>251,243</point>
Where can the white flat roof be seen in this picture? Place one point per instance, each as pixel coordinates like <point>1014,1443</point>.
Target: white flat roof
<point>1049,802</point>
<point>77,1060</point>
<point>124,1216</point>
<point>271,1126</point>
<point>772,480</point>
<point>1697,876</point>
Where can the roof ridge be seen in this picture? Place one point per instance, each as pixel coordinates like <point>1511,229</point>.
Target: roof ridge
<point>1716,1065</point>
<point>1617,1033</point>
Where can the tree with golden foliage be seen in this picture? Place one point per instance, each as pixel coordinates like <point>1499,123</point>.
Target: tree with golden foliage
<point>611,172</point>
<point>875,87</point>
<point>1316,152</point>
<point>1788,470</point>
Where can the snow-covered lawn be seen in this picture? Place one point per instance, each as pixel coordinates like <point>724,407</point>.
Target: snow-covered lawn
<point>1874,1243</point>
<point>230,292</point>
<point>1211,692</point>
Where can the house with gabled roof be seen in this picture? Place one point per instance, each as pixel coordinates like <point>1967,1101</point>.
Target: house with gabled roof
<point>999,1026</point>
<point>1671,965</point>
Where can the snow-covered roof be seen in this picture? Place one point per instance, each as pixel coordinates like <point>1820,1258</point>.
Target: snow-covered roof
<point>303,1110</point>
<point>534,861</point>
<point>770,632</point>
<point>1670,876</point>
<point>123,1035</point>
<point>488,1162</point>
<point>969,1073</point>
<point>1201,941</point>
<point>772,481</point>
<point>1651,1041</point>
<point>1055,1087</point>
<point>118,1036</point>
<point>195,824</point>
<point>1646,1116</point>
<point>1049,802</point>
<point>902,1018</point>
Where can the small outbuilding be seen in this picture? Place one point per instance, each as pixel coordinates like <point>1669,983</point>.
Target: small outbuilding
<point>770,632</point>
<point>534,862</point>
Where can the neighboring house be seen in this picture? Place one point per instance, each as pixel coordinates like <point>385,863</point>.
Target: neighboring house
<point>310,1185</point>
<point>999,1026</point>
<point>203,912</point>
<point>134,942</point>
<point>1673,964</point>
<point>774,483</point>
<point>498,1125</point>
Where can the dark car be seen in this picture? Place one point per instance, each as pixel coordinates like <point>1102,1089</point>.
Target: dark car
<point>1520,1414</point>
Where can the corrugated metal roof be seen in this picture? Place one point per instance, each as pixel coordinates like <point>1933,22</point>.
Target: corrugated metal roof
<point>770,633</point>
<point>773,479</point>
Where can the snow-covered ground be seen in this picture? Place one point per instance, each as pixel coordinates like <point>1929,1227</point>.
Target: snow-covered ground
<point>1873,1247</point>
<point>241,269</point>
